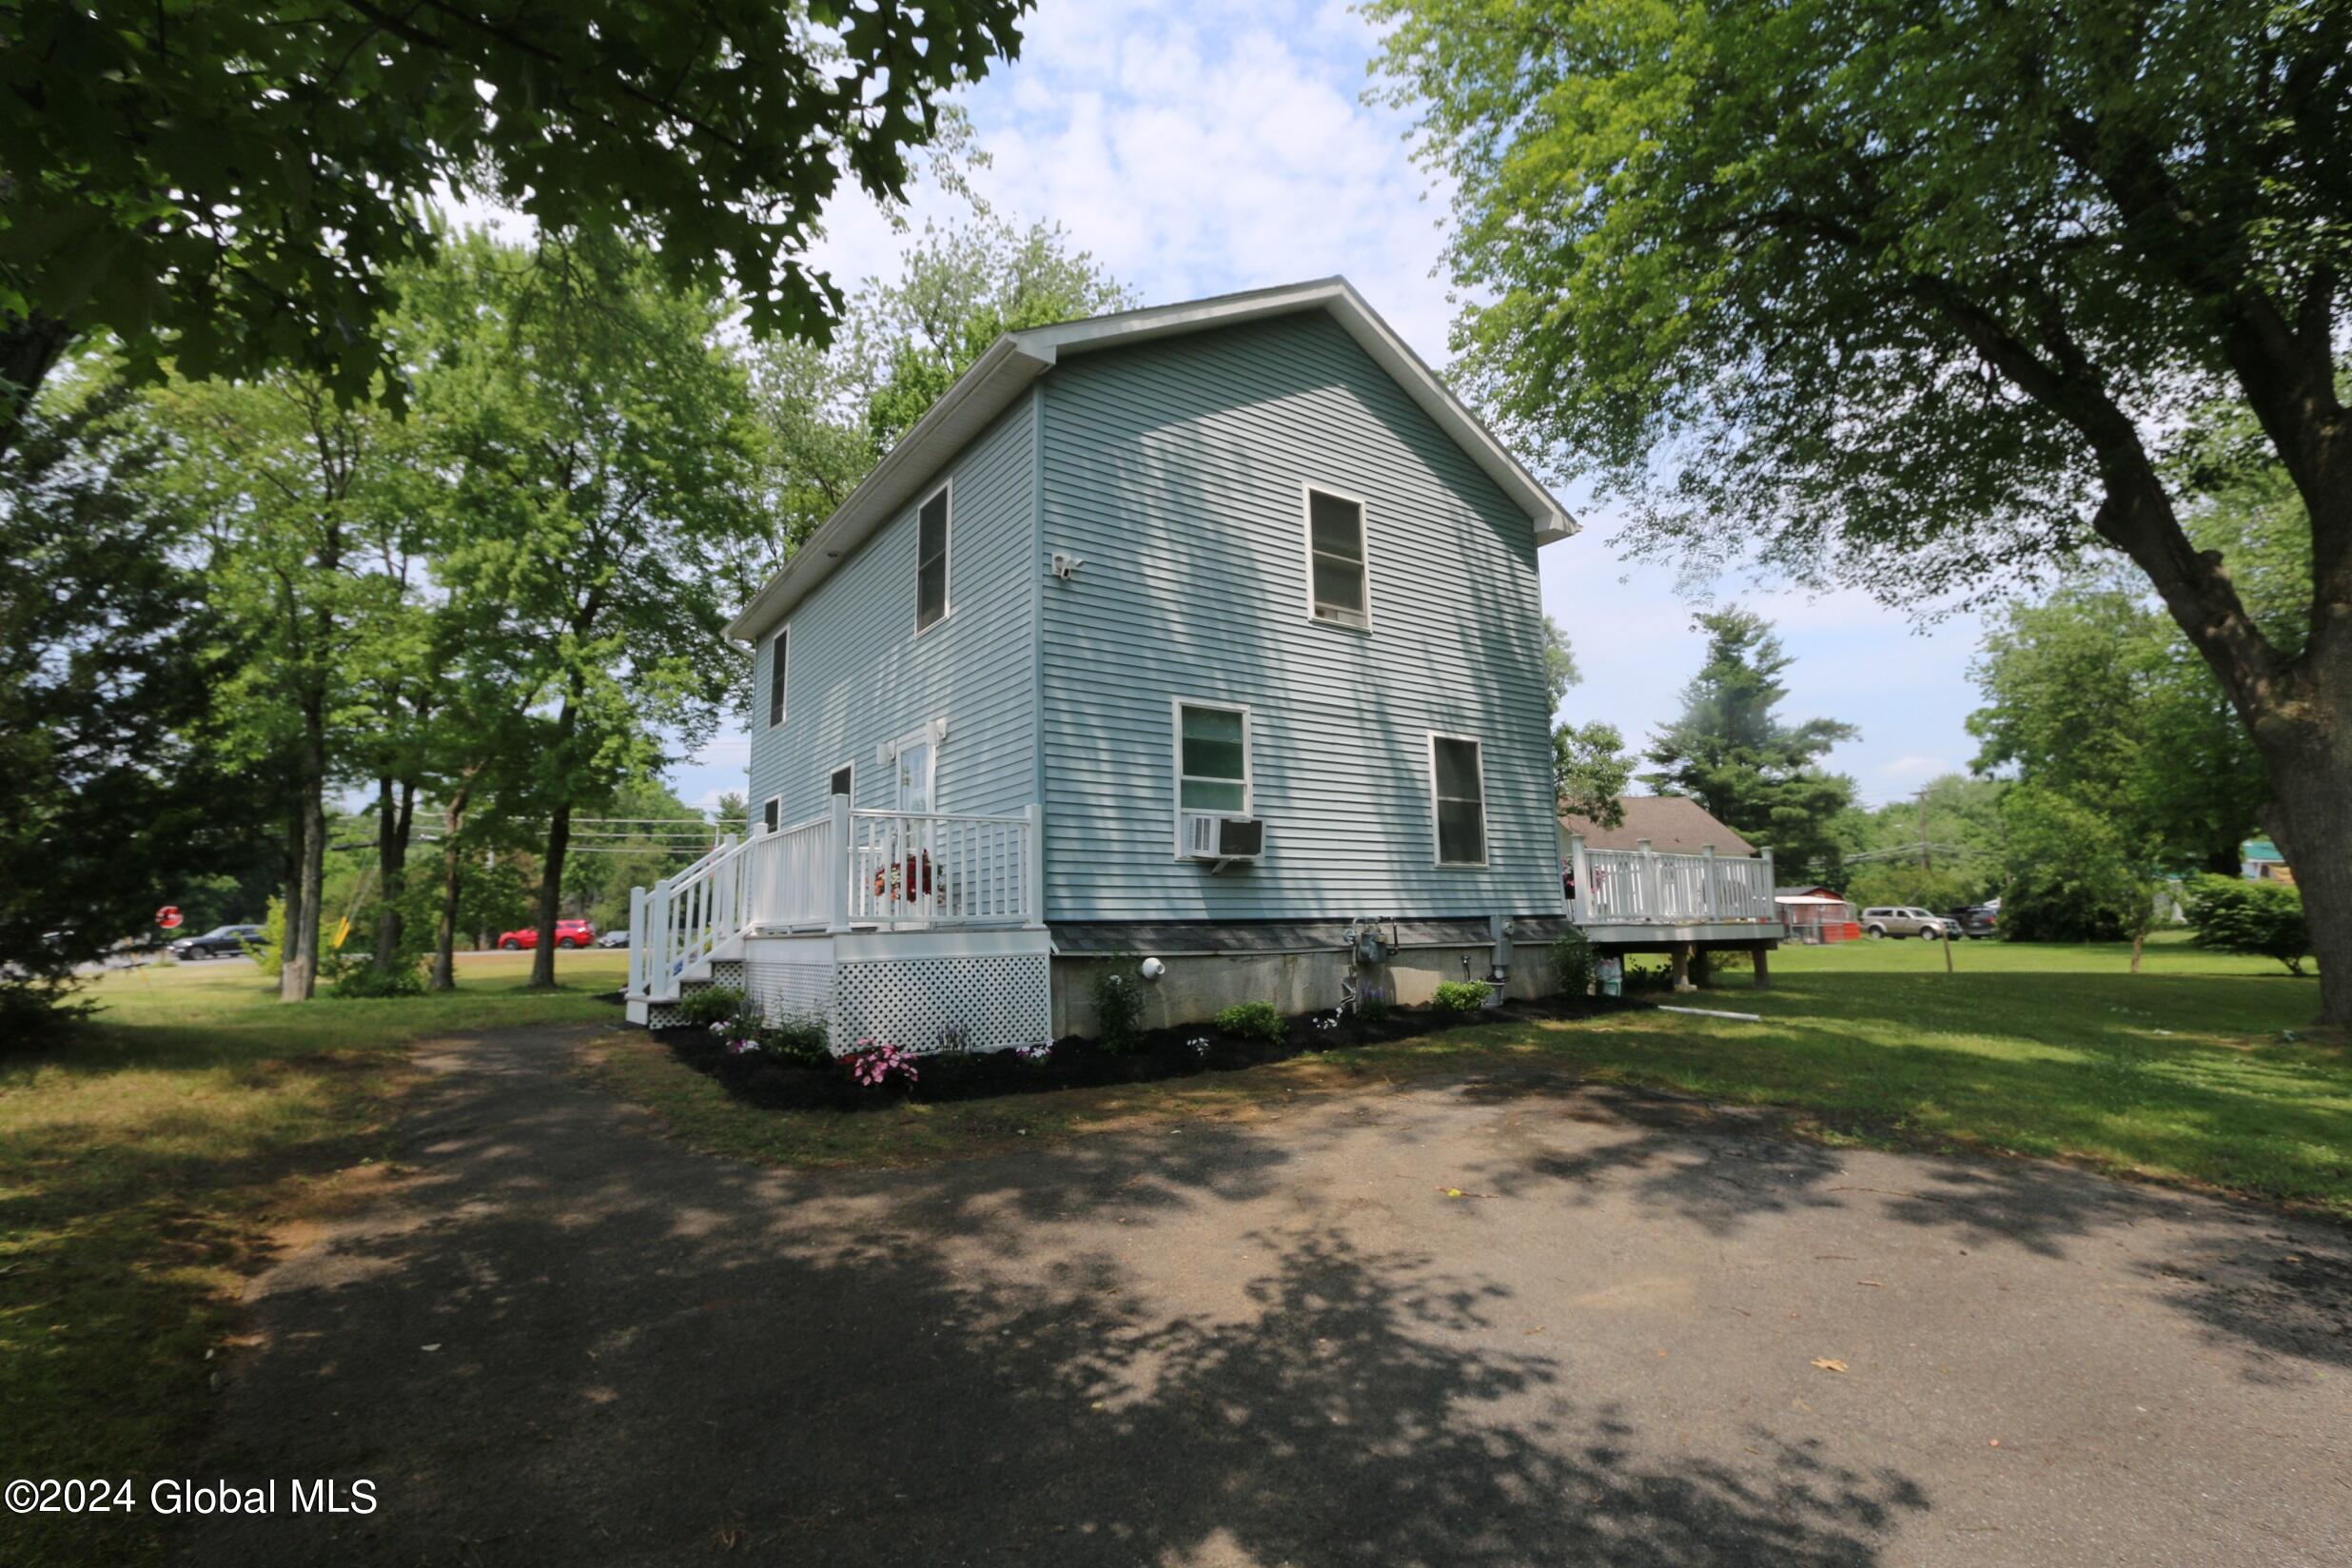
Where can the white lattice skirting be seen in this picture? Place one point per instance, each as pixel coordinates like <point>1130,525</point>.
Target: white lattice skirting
<point>924,1005</point>
<point>786,989</point>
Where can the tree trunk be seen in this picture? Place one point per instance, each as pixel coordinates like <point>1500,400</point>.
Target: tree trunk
<point>2309,818</point>
<point>445,974</point>
<point>551,894</point>
<point>29,348</point>
<point>298,980</point>
<point>2139,940</point>
<point>396,806</point>
<point>290,897</point>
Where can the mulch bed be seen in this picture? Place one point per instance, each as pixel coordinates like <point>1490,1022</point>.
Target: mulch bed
<point>1078,1063</point>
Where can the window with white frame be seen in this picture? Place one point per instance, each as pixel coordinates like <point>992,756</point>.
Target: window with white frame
<point>775,680</point>
<point>844,781</point>
<point>930,563</point>
<point>1457,784</point>
<point>1339,589</point>
<point>1212,759</point>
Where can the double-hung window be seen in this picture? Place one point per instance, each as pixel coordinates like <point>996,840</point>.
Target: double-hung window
<point>775,680</point>
<point>1212,759</point>
<point>930,563</point>
<point>1457,786</point>
<point>1339,588</point>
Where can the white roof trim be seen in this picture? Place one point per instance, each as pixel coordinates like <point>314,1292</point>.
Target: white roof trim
<point>1019,358</point>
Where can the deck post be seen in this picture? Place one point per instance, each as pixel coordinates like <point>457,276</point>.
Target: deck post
<point>1710,904</point>
<point>1582,862</point>
<point>1681,959</point>
<point>837,865</point>
<point>1772,886</point>
<point>636,941</point>
<point>1033,871</point>
<point>1653,901</point>
<point>1763,966</point>
<point>657,953</point>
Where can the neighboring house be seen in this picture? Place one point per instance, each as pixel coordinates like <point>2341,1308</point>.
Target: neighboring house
<point>2259,861</point>
<point>1208,632</point>
<point>1672,824</point>
<point>1816,915</point>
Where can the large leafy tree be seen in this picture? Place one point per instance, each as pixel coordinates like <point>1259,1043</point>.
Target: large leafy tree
<point>110,801</point>
<point>1730,749</point>
<point>1918,296</point>
<point>233,186</point>
<point>607,461</point>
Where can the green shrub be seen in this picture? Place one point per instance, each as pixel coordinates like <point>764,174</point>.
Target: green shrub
<point>365,981</point>
<point>268,954</point>
<point>1252,1021</point>
<point>1118,1005</point>
<point>1572,963</point>
<point>801,1040</point>
<point>2232,915</point>
<point>1460,995</point>
<point>1372,1010</point>
<point>710,1004</point>
<point>1657,977</point>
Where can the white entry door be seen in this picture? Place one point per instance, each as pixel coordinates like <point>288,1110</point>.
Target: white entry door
<point>918,764</point>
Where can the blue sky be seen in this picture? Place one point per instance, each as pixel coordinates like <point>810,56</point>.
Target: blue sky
<point>1197,147</point>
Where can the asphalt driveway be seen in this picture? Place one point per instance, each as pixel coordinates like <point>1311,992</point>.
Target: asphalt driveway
<point>1481,1323</point>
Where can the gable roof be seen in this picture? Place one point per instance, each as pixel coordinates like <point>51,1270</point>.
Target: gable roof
<point>1674,824</point>
<point>1015,360</point>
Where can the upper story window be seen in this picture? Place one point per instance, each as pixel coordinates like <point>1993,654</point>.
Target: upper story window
<point>775,680</point>
<point>1457,784</point>
<point>1337,586</point>
<point>930,563</point>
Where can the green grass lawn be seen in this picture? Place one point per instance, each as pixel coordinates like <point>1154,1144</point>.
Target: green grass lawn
<point>2180,1073</point>
<point>141,1164</point>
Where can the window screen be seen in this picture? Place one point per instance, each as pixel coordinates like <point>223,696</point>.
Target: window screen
<point>1461,802</point>
<point>931,561</point>
<point>1334,557</point>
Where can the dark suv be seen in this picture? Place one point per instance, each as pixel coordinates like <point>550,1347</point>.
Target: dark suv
<point>220,942</point>
<point>1975,920</point>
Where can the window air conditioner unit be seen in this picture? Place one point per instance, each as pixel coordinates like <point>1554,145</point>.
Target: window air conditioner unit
<point>1210,836</point>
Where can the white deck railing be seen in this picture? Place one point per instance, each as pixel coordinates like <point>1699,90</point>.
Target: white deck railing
<point>844,871</point>
<point>1642,887</point>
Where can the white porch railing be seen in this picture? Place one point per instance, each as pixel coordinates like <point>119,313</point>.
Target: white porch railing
<point>846,870</point>
<point>1642,887</point>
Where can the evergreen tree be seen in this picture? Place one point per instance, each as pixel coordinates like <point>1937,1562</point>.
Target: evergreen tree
<point>1731,752</point>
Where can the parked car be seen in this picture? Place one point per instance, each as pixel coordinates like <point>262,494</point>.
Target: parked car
<point>1976,920</point>
<point>1903,920</point>
<point>614,939</point>
<point>569,933</point>
<point>220,942</point>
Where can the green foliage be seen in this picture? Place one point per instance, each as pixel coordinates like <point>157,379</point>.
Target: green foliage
<point>1939,888</point>
<point>2264,919</point>
<point>111,804</point>
<point>1117,1004</point>
<point>1373,1010</point>
<point>372,981</point>
<point>268,954</point>
<point>1730,750</point>
<point>2073,877</point>
<point>1559,665</point>
<point>709,1005</point>
<point>1591,771</point>
<point>238,189</point>
<point>1459,996</point>
<point>1572,963</point>
<point>803,1041</point>
<point>1258,1020</point>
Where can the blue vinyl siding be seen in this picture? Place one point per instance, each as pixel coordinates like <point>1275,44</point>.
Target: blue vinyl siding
<point>1176,469</point>
<point>857,676</point>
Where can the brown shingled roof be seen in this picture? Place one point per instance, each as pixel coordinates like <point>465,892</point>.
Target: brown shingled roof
<point>1674,824</point>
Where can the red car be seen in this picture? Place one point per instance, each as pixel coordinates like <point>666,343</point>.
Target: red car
<point>569,933</point>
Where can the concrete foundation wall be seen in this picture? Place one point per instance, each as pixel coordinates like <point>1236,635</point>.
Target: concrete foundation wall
<point>1197,987</point>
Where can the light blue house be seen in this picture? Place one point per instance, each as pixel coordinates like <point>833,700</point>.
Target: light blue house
<point>1208,633</point>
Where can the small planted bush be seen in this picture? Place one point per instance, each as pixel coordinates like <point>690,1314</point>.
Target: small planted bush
<point>1460,995</point>
<point>1118,1006</point>
<point>1252,1021</point>
<point>877,1064</point>
<point>365,981</point>
<point>710,1004</point>
<point>1572,963</point>
<point>802,1041</point>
